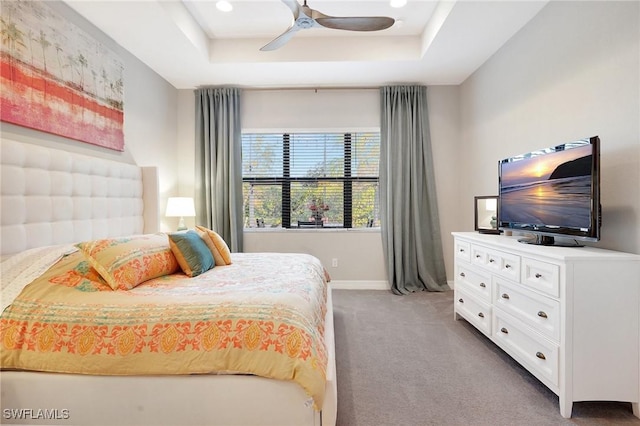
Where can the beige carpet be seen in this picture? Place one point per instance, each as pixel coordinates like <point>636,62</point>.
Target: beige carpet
<point>404,361</point>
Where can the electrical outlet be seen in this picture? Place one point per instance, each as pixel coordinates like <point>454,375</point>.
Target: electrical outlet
<point>334,262</point>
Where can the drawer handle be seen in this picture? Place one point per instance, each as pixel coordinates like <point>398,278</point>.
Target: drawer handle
<point>461,300</point>
<point>540,355</point>
<point>491,260</point>
<point>542,314</point>
<point>504,330</point>
<point>462,274</point>
<point>461,250</point>
<point>483,285</point>
<point>538,276</point>
<point>505,296</point>
<point>478,256</point>
<point>507,266</point>
<point>480,314</point>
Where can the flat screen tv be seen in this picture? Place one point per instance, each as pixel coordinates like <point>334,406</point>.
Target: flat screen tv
<point>553,194</point>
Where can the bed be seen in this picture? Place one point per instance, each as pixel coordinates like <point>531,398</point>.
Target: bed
<point>246,343</point>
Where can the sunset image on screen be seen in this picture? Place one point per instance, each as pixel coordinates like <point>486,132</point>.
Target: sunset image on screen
<point>538,168</point>
<point>555,188</point>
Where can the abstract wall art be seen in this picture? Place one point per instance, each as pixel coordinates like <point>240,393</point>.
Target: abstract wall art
<point>58,79</point>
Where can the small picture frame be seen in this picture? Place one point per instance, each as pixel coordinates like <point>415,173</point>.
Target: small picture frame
<point>486,214</point>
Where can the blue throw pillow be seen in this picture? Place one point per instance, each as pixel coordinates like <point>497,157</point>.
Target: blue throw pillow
<point>192,253</point>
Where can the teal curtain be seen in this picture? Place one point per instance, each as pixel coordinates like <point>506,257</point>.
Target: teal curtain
<point>219,163</point>
<point>410,225</point>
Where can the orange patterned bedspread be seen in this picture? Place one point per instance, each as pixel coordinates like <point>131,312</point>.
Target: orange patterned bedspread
<point>261,315</point>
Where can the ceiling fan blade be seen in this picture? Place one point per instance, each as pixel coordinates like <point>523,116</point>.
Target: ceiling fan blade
<point>364,23</point>
<point>282,39</point>
<point>294,6</point>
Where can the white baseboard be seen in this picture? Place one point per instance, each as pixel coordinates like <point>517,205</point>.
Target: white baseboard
<point>359,285</point>
<point>365,285</point>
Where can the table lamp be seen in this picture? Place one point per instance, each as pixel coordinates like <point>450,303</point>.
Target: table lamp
<point>180,207</point>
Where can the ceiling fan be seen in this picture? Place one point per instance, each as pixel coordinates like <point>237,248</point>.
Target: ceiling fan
<point>304,18</point>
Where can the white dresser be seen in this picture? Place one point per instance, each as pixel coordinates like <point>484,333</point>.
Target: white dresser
<point>571,316</point>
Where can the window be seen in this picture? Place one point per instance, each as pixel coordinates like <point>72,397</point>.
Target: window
<point>327,180</point>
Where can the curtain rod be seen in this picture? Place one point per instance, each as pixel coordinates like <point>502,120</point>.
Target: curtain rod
<point>316,89</point>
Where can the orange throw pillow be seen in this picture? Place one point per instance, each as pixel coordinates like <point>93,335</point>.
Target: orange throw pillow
<point>218,247</point>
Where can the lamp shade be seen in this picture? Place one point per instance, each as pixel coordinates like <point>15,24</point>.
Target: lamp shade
<point>180,207</point>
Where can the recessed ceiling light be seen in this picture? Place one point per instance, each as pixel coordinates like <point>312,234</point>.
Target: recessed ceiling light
<point>398,3</point>
<point>225,6</point>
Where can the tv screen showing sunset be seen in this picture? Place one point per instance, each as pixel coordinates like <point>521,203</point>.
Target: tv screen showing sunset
<point>551,189</point>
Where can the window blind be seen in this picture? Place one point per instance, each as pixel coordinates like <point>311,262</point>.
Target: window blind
<point>311,179</point>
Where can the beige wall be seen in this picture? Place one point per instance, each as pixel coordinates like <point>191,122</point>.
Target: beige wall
<point>572,72</point>
<point>444,120</point>
<point>357,253</point>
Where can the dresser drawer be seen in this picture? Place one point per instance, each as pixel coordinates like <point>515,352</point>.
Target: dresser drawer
<point>504,264</point>
<point>473,310</point>
<point>539,312</point>
<point>462,250</point>
<point>539,354</point>
<point>473,281</point>
<point>541,276</point>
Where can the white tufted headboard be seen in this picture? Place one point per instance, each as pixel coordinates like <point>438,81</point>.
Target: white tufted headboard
<point>51,196</point>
